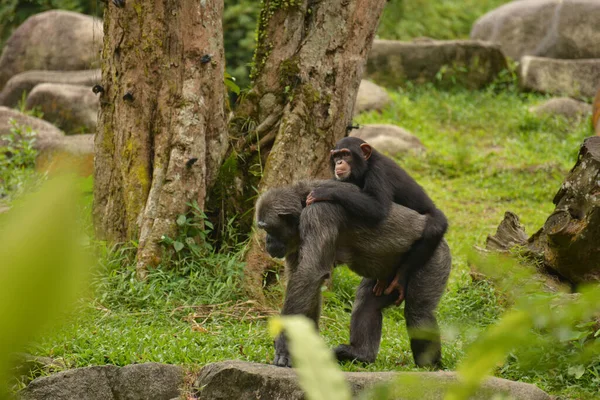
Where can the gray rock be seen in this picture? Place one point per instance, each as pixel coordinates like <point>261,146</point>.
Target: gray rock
<point>388,139</point>
<point>52,40</point>
<point>544,28</point>
<point>240,380</point>
<point>564,106</point>
<point>26,81</point>
<point>75,144</point>
<point>73,108</point>
<point>92,383</point>
<point>571,78</point>
<point>370,97</point>
<point>45,131</point>
<point>466,62</point>
<point>149,381</point>
<point>78,149</point>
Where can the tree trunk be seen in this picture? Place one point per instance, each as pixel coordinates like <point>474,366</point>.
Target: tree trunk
<point>162,129</point>
<point>308,64</point>
<point>569,242</point>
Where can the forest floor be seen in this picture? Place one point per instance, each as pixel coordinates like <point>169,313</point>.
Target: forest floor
<point>486,154</point>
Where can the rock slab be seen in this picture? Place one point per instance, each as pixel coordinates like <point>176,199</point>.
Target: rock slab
<point>72,108</point>
<point>470,63</point>
<point>149,381</point>
<point>545,28</point>
<point>388,139</point>
<point>52,40</point>
<point>45,131</point>
<point>370,97</point>
<point>572,78</point>
<point>241,380</point>
<point>566,107</point>
<point>24,82</point>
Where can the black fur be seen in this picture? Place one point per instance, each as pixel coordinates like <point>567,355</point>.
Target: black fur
<point>383,182</point>
<point>316,237</point>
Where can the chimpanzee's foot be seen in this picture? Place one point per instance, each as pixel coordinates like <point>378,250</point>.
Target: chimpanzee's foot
<point>282,360</point>
<point>345,352</point>
<point>282,354</point>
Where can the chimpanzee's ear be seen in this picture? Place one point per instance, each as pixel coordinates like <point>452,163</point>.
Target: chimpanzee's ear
<point>366,149</point>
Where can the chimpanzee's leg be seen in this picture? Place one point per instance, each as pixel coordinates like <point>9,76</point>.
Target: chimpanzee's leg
<point>365,324</point>
<point>423,293</point>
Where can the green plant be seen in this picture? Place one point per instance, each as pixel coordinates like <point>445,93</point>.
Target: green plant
<point>193,230</point>
<point>17,157</point>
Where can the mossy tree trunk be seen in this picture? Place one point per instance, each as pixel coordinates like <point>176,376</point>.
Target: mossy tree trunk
<point>308,64</point>
<point>569,242</point>
<point>162,128</point>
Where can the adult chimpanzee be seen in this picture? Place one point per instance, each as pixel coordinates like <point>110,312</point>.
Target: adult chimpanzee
<point>311,239</point>
<point>354,161</point>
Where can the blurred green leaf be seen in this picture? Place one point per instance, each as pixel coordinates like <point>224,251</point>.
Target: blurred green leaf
<point>317,369</point>
<point>43,264</point>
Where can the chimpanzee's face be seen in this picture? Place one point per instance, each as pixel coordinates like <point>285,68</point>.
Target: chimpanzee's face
<point>278,213</point>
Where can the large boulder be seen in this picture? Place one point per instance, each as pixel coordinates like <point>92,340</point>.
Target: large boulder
<point>46,132</point>
<point>573,78</point>
<point>370,97</point>
<point>73,108</point>
<point>52,40</point>
<point>149,381</point>
<point>571,109</point>
<point>389,139</point>
<point>21,84</point>
<point>77,150</point>
<point>466,62</point>
<point>241,380</point>
<point>544,28</point>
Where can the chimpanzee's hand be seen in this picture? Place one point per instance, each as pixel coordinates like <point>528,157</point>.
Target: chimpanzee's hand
<point>282,355</point>
<point>396,284</point>
<point>319,194</point>
<point>379,287</point>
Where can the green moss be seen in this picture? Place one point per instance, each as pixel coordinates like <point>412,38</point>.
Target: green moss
<point>263,45</point>
<point>143,176</point>
<point>311,95</point>
<point>289,70</point>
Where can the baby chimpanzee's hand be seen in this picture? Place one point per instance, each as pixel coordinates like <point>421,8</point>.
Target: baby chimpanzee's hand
<point>318,194</point>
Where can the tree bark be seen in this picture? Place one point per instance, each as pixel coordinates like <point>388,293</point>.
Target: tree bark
<point>569,242</point>
<point>308,63</point>
<point>162,128</point>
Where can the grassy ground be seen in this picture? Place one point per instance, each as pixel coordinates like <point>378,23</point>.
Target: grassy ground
<point>486,154</point>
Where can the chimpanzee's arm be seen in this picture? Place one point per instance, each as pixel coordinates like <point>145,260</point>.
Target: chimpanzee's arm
<point>368,206</point>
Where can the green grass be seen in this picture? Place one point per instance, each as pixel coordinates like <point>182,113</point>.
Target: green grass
<point>485,154</point>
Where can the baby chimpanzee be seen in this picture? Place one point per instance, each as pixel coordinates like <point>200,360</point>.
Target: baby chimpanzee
<point>382,183</point>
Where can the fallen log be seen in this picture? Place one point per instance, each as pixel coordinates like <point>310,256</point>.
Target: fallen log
<point>569,242</point>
